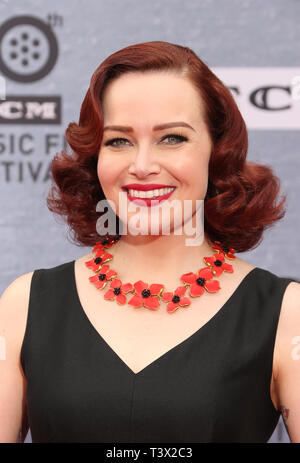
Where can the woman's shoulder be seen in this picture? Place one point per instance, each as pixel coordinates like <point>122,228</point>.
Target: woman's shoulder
<point>17,292</point>
<point>14,304</point>
<point>290,303</point>
<point>81,260</point>
<point>287,350</point>
<point>290,314</point>
<point>290,307</point>
<point>14,300</point>
<point>19,288</point>
<point>242,266</point>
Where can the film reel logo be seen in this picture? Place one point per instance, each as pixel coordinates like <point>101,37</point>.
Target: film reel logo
<point>28,49</point>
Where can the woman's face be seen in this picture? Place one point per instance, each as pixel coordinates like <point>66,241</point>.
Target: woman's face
<point>137,151</point>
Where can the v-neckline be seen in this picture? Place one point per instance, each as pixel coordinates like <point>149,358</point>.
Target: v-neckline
<point>169,352</point>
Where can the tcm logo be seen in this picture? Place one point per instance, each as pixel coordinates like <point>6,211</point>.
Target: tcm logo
<point>29,48</point>
<point>30,110</point>
<point>28,53</point>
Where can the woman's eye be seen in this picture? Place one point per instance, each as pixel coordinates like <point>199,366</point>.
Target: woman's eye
<point>112,142</point>
<point>175,138</point>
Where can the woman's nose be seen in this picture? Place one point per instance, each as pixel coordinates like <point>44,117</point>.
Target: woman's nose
<point>144,163</point>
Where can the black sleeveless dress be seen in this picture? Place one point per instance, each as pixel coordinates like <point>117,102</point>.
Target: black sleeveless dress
<point>212,387</point>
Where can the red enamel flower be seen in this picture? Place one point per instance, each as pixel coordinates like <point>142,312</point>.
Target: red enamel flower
<point>146,296</point>
<point>218,264</point>
<point>201,280</point>
<point>228,252</point>
<point>97,247</point>
<point>118,291</point>
<point>103,244</point>
<point>103,276</point>
<point>176,299</point>
<point>101,257</point>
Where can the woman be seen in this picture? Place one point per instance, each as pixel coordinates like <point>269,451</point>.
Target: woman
<point>146,338</point>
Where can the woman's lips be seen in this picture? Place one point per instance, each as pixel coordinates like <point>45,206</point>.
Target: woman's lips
<point>149,202</point>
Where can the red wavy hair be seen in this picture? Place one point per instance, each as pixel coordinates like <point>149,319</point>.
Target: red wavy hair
<point>242,197</point>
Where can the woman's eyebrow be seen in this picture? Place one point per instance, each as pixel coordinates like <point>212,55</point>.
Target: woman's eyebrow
<point>123,128</point>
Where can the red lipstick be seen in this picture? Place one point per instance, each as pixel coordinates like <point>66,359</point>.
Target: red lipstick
<point>147,202</point>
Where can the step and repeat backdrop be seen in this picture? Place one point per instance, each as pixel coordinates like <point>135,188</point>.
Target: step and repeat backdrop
<point>48,52</point>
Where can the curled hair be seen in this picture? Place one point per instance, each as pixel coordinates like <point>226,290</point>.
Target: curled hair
<point>242,197</point>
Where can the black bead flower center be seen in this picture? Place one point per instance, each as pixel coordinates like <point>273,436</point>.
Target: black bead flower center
<point>98,260</point>
<point>117,291</point>
<point>146,293</point>
<point>225,249</point>
<point>101,276</point>
<point>176,298</point>
<point>200,281</point>
<point>218,263</point>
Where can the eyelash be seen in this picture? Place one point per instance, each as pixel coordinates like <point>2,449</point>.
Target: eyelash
<point>181,138</point>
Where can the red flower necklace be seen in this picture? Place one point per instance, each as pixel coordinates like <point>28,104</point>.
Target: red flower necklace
<point>149,296</point>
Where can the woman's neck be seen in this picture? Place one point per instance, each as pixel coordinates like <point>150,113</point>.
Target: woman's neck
<point>161,254</point>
